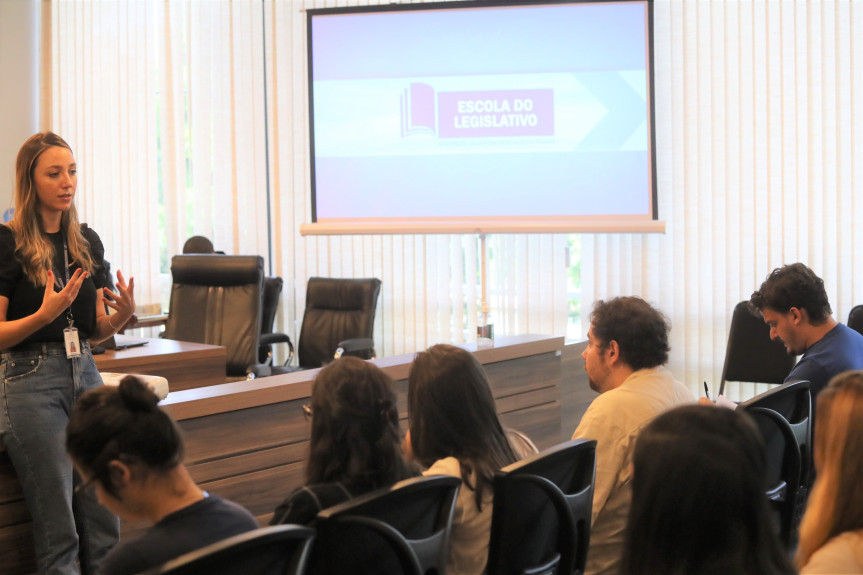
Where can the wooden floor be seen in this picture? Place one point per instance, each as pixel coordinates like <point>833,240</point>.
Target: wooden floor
<point>247,441</point>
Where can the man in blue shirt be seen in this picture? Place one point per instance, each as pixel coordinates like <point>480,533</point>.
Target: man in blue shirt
<point>793,303</point>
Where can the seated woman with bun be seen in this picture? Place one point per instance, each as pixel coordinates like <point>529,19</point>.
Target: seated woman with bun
<point>831,533</point>
<point>355,442</point>
<point>129,453</point>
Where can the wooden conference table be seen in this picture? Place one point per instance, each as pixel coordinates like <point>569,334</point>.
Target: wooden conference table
<point>185,365</point>
<point>247,441</point>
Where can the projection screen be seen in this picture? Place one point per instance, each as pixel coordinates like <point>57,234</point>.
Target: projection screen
<point>488,117</point>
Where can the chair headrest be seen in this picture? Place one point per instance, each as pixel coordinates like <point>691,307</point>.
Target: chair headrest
<point>217,270</point>
<point>342,294</point>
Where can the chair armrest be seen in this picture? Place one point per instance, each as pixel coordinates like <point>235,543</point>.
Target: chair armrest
<point>257,370</point>
<point>355,344</point>
<point>272,338</point>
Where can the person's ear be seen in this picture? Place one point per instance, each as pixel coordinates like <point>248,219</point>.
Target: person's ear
<point>613,351</point>
<point>797,315</point>
<point>119,474</point>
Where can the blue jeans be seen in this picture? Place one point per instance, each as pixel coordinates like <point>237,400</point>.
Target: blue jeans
<point>39,388</point>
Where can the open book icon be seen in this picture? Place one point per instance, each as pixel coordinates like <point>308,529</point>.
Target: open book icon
<point>418,109</point>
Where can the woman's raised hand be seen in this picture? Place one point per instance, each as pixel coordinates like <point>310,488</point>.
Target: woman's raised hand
<point>123,302</point>
<point>54,303</point>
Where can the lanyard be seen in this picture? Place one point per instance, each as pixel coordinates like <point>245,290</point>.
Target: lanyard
<point>69,317</point>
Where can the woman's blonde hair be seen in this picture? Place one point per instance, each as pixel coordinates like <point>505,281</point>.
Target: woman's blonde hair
<point>32,247</point>
<point>836,502</point>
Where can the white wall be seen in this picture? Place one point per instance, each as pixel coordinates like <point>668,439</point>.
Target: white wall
<point>19,77</point>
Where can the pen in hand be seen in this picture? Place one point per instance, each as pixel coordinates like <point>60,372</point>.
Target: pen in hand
<point>706,391</point>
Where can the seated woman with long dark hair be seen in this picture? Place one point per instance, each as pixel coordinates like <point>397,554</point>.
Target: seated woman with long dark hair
<point>698,498</point>
<point>455,430</point>
<point>130,453</point>
<point>831,533</point>
<point>355,442</point>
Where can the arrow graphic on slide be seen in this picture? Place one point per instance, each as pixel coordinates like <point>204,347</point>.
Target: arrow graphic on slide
<point>626,110</point>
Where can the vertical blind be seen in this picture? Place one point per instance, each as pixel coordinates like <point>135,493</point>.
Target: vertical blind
<point>195,115</point>
<point>101,60</point>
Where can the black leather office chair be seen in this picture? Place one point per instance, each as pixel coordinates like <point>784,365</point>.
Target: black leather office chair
<point>751,355</point>
<point>339,319</point>
<point>402,529</point>
<point>783,471</point>
<point>542,512</point>
<point>855,318</point>
<point>217,300</point>
<point>279,550</point>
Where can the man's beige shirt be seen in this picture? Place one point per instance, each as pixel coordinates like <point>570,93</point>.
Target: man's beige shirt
<point>614,420</point>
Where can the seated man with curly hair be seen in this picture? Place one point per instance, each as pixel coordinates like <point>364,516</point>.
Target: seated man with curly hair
<point>626,351</point>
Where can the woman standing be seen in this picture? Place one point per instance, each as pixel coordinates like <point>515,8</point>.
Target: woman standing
<point>831,533</point>
<point>52,305</point>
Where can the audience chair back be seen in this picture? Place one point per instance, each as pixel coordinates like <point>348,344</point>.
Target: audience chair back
<point>751,355</point>
<point>279,550</point>
<point>339,313</point>
<point>855,318</point>
<point>402,529</point>
<point>783,471</point>
<point>793,401</point>
<point>542,512</point>
<point>216,299</point>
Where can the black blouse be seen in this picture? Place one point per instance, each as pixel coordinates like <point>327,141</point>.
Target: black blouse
<point>25,298</point>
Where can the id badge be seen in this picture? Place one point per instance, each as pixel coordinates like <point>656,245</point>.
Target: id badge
<point>73,344</point>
